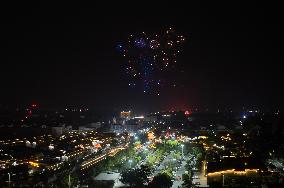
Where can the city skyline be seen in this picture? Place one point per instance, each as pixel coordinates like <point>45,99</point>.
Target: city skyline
<point>141,95</point>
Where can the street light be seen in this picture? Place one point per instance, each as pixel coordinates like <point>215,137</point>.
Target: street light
<point>182,150</point>
<point>9,179</point>
<point>223,179</point>
<point>69,181</point>
<point>130,162</point>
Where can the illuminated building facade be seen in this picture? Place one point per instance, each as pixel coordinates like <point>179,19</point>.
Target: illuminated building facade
<point>125,115</point>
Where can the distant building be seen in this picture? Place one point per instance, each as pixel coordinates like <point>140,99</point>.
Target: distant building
<point>113,120</point>
<point>125,115</point>
<point>221,128</point>
<point>109,176</point>
<point>84,128</point>
<point>57,131</point>
<point>151,118</point>
<point>90,126</point>
<point>120,128</point>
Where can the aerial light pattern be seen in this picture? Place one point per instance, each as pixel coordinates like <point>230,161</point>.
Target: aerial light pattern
<point>150,60</point>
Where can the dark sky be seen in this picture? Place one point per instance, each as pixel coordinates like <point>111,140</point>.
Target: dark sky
<point>61,56</point>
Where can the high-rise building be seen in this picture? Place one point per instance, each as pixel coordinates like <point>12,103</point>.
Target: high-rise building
<point>125,115</point>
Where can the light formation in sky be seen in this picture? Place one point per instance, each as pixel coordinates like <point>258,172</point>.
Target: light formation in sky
<point>150,59</point>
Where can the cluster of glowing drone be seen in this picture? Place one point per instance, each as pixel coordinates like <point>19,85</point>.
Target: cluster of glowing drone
<point>150,58</point>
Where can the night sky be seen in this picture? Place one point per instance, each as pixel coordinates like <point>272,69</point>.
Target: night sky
<point>61,56</point>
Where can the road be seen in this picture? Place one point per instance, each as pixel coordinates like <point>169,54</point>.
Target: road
<point>178,181</point>
<point>202,178</point>
<point>161,166</point>
<point>111,152</point>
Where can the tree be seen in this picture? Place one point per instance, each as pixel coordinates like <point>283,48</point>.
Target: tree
<point>151,159</point>
<point>172,143</point>
<point>63,180</point>
<point>161,181</point>
<point>131,178</point>
<point>197,152</point>
<point>168,171</point>
<point>136,177</point>
<point>138,158</point>
<point>145,171</point>
<point>187,183</point>
<point>105,184</point>
<point>176,155</point>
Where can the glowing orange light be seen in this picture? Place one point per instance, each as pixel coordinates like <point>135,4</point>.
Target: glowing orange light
<point>151,136</point>
<point>33,164</point>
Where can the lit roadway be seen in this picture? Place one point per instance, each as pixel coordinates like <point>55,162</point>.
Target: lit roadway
<point>88,163</point>
<point>202,178</point>
<point>178,181</point>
